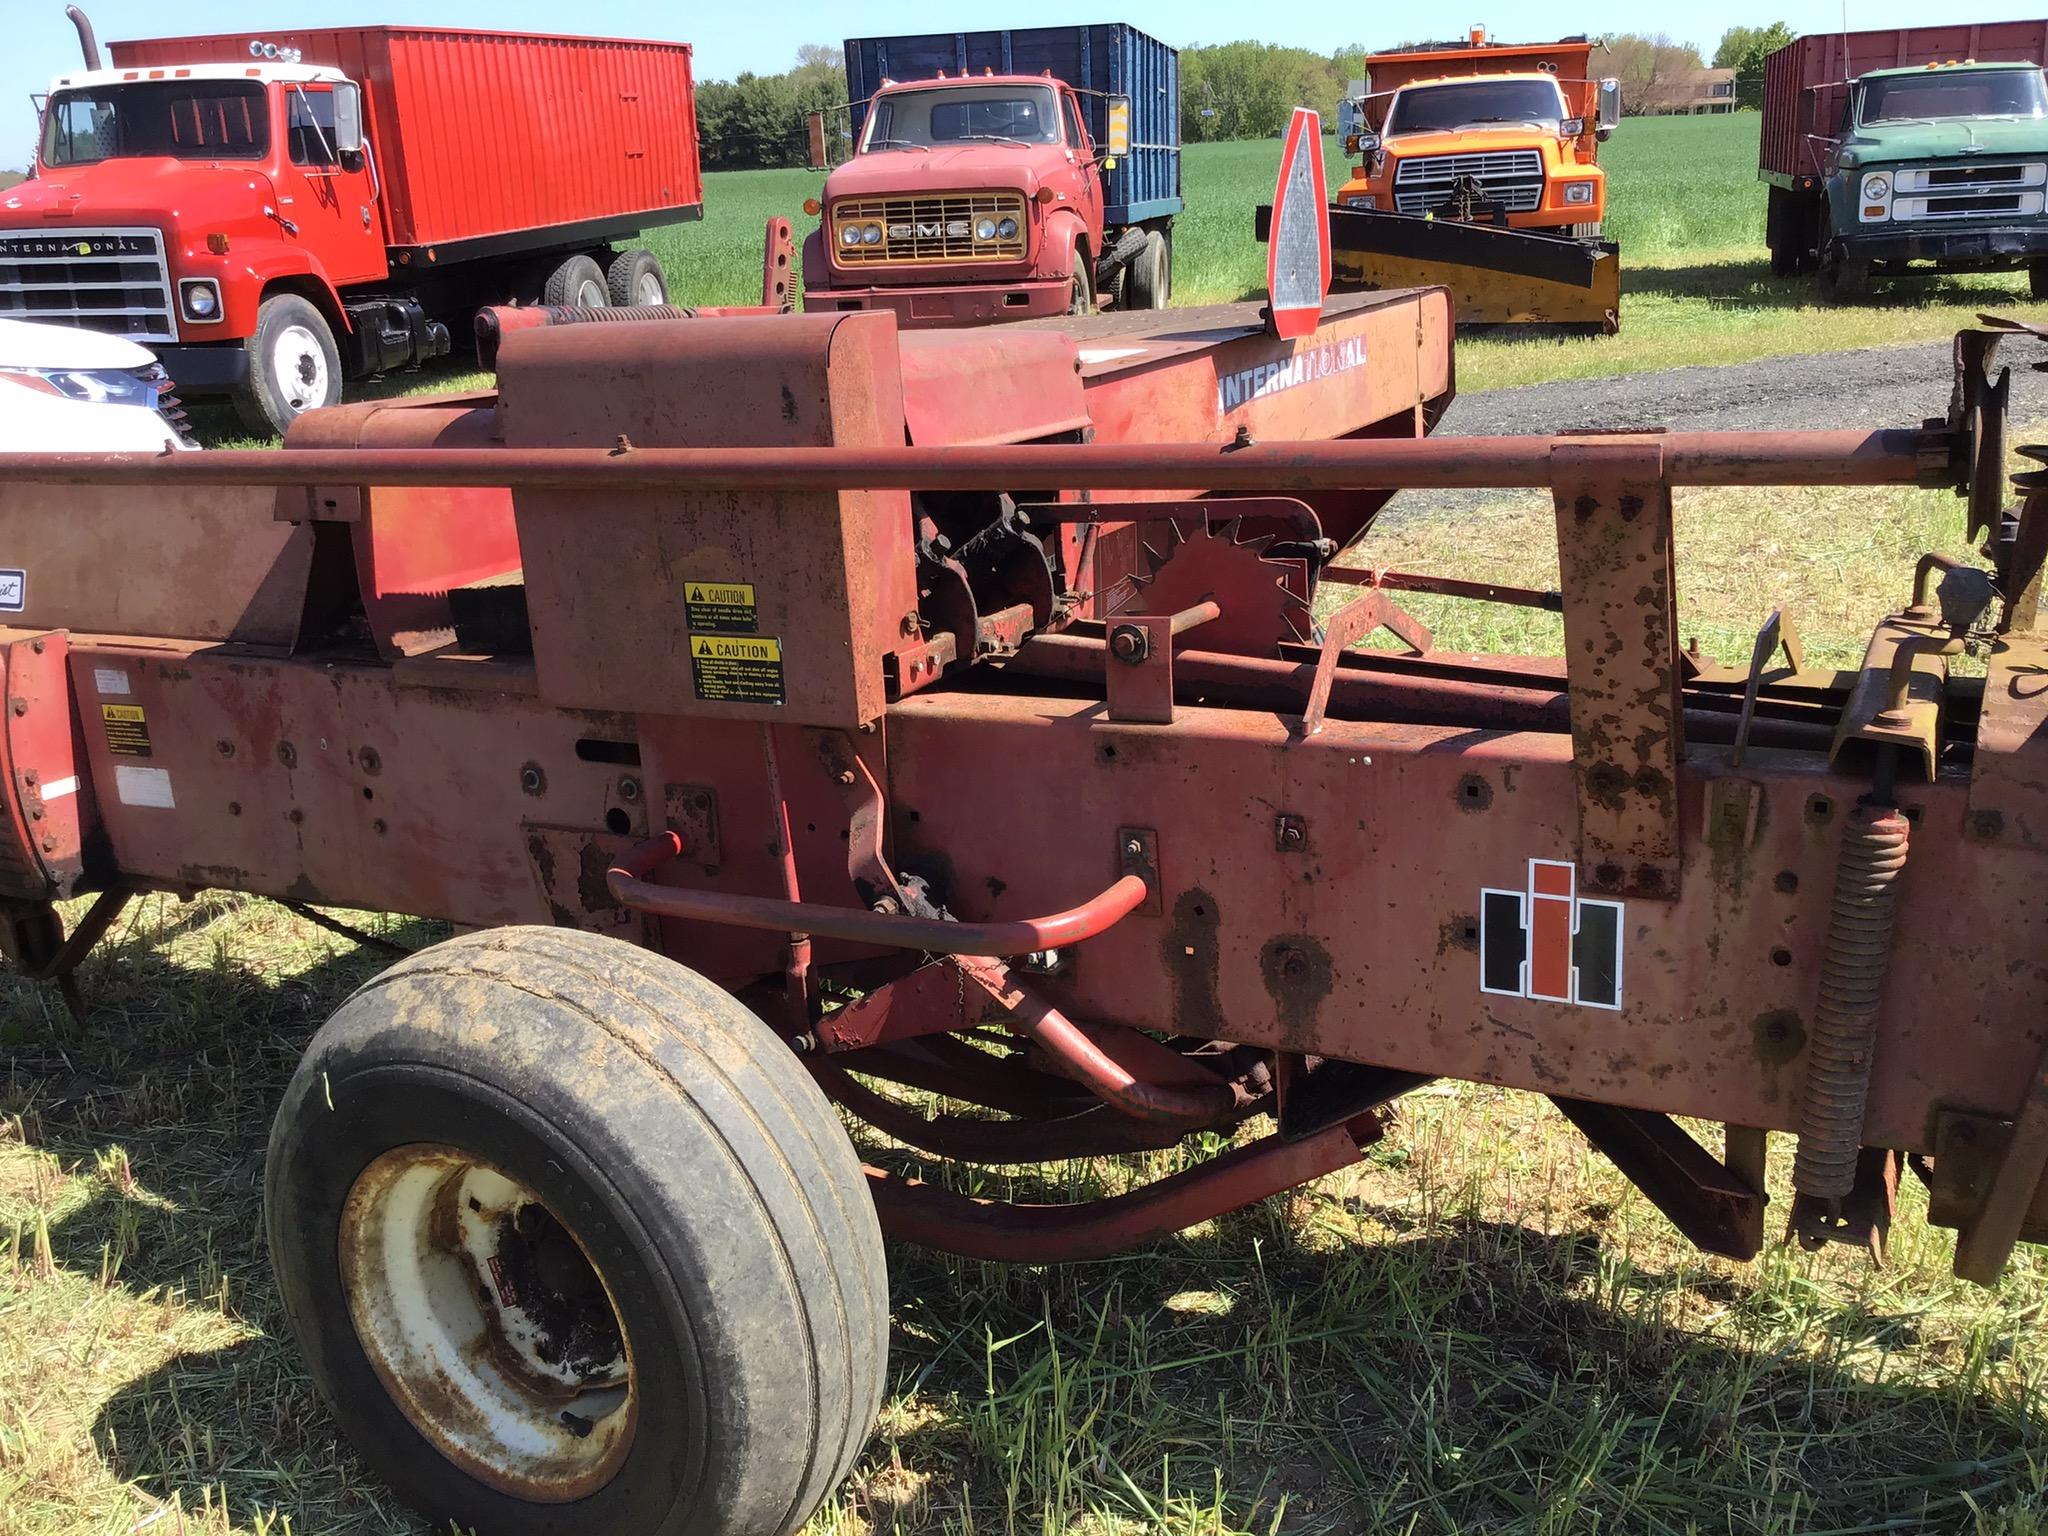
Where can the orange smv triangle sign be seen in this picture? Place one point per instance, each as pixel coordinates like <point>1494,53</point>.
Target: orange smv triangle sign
<point>1298,250</point>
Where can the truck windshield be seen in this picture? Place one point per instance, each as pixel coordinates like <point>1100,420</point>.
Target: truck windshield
<point>1953,93</point>
<point>1475,103</point>
<point>963,114</point>
<point>184,119</point>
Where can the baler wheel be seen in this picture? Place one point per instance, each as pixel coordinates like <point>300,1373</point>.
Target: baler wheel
<point>578,283</point>
<point>569,1239</point>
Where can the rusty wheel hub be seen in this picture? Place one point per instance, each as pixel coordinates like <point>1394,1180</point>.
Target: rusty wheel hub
<point>487,1322</point>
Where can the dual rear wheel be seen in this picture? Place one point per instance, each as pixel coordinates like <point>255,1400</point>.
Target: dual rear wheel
<point>570,1240</point>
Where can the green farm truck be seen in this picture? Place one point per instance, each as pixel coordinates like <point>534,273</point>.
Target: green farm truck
<point>1915,151</point>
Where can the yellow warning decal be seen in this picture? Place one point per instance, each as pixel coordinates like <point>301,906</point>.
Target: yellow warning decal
<point>127,729</point>
<point>737,669</point>
<point>721,607</point>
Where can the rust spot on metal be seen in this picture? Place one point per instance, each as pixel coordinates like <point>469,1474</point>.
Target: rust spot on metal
<point>1474,793</point>
<point>1780,1036</point>
<point>1298,976</point>
<point>1458,933</point>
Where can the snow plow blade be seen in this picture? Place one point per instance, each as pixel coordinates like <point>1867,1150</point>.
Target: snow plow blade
<point>1496,276</point>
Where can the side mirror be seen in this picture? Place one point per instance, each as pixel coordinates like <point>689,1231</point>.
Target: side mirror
<point>1610,103</point>
<point>814,134</point>
<point>1118,138</point>
<point>348,118</point>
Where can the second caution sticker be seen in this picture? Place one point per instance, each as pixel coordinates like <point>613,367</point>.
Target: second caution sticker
<point>737,669</point>
<point>127,729</point>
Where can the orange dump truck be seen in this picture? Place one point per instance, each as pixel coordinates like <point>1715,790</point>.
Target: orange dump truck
<point>1478,168</point>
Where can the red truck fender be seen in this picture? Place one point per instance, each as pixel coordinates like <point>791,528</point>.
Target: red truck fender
<point>253,273</point>
<point>1064,229</point>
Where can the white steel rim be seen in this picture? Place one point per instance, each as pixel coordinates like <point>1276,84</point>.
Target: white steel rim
<point>488,1324</point>
<point>591,294</point>
<point>647,289</point>
<point>299,365</point>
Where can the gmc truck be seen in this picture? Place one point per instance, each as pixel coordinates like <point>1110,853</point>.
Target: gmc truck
<point>1889,154</point>
<point>1001,176</point>
<point>275,215</point>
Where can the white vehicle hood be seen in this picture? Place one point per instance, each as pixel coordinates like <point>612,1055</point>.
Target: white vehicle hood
<point>27,344</point>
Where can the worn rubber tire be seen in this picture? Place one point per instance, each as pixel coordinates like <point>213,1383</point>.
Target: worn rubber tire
<point>1081,296</point>
<point>577,282</point>
<point>702,1170</point>
<point>2037,279</point>
<point>1149,284</point>
<point>263,404</point>
<point>1843,281</point>
<point>630,272</point>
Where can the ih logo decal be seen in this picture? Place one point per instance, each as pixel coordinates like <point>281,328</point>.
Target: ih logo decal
<point>1547,944</point>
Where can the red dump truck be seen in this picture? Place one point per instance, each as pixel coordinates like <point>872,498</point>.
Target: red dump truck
<point>276,214</point>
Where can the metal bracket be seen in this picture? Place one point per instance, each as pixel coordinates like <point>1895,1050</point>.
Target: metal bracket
<point>692,811</point>
<point>1342,630</point>
<point>1777,633</point>
<point>1139,669</point>
<point>1613,505</point>
<point>1137,853</point>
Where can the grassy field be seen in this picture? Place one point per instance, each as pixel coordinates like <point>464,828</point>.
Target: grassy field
<point>1481,1328</point>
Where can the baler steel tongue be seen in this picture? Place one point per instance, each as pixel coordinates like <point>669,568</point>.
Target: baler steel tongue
<point>821,724</point>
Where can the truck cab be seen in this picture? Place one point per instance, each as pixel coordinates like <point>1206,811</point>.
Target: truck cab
<point>168,204</point>
<point>966,200</point>
<point>1483,132</point>
<point>1945,165</point>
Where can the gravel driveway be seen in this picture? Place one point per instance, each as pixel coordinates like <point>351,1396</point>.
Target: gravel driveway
<point>1873,387</point>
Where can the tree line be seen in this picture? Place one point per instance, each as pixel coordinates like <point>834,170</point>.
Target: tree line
<point>1240,90</point>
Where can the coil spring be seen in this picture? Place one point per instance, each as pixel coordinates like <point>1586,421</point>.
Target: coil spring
<point>1851,989</point>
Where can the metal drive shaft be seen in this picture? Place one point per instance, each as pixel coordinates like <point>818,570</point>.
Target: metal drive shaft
<point>1851,989</point>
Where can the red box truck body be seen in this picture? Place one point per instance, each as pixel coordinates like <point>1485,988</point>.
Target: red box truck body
<point>275,213</point>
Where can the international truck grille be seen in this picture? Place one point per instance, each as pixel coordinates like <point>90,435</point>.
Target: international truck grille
<point>1510,179</point>
<point>930,228</point>
<point>1973,191</point>
<point>111,280</point>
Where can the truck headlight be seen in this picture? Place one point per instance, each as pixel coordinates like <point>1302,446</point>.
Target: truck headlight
<point>871,234</point>
<point>984,229</point>
<point>849,234</point>
<point>199,298</point>
<point>1578,192</point>
<point>1006,229</point>
<point>1876,187</point>
<point>1361,200</point>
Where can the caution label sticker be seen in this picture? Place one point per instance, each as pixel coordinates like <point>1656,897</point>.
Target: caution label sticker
<point>735,669</point>
<point>127,729</point>
<point>721,607</point>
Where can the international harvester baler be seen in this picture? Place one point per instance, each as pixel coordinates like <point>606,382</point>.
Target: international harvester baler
<point>815,724</point>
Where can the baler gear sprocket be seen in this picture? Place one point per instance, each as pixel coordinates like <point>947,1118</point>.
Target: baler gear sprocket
<point>1264,600</point>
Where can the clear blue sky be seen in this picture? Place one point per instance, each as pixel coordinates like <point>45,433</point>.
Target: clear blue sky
<point>36,41</point>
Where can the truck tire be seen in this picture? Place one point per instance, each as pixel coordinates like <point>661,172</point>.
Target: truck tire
<point>1782,233</point>
<point>635,277</point>
<point>2037,279</point>
<point>577,282</point>
<point>1843,279</point>
<point>570,1242</point>
<point>294,365</point>
<point>1081,296</point>
<point>1148,283</point>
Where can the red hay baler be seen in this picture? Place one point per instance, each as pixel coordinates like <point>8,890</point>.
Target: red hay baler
<point>817,722</point>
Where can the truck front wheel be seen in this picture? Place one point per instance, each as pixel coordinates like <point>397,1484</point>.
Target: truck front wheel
<point>1843,278</point>
<point>294,366</point>
<point>1081,297</point>
<point>571,1242</point>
